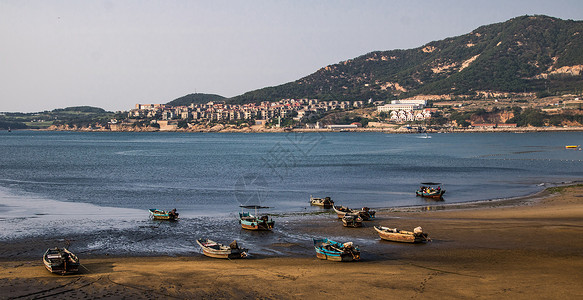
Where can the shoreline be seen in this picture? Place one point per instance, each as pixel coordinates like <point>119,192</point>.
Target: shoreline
<point>430,205</point>
<point>307,130</point>
<point>492,252</point>
<point>498,202</point>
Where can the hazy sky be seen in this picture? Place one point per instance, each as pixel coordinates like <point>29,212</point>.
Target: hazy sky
<point>114,54</point>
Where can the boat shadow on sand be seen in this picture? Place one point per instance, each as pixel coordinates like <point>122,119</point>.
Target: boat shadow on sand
<point>96,268</point>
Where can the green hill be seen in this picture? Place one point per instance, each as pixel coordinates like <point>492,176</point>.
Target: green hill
<point>525,54</point>
<point>80,109</point>
<point>81,116</point>
<point>196,98</point>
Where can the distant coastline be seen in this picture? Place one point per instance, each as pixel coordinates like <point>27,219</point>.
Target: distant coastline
<point>262,129</point>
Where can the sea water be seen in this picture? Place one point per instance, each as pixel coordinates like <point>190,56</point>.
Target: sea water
<point>64,183</point>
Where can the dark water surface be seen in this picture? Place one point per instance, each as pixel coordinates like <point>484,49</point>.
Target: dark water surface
<point>56,184</point>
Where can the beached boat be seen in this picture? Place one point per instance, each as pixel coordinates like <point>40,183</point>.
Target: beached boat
<point>352,220</point>
<point>324,202</point>
<point>251,222</point>
<point>341,211</point>
<point>427,191</point>
<point>61,261</point>
<point>331,250</point>
<point>213,249</point>
<point>163,215</point>
<point>396,235</point>
<point>365,213</point>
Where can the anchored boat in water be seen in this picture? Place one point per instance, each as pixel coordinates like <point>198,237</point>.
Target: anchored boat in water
<point>324,202</point>
<point>428,191</point>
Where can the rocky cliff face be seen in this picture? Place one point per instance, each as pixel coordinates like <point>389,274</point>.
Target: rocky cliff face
<point>492,118</point>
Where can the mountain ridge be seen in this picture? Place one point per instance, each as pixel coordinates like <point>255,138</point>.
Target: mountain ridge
<point>524,55</point>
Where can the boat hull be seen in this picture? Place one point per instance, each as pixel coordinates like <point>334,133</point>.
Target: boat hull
<point>366,215</point>
<point>162,215</point>
<point>400,236</point>
<point>434,195</point>
<point>352,224</point>
<point>223,252</point>
<point>354,221</point>
<point>334,251</point>
<point>334,257</point>
<point>265,226</point>
<point>61,261</point>
<point>250,222</point>
<point>325,202</point>
<point>341,211</point>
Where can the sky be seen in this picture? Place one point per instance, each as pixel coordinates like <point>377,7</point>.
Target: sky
<point>114,54</point>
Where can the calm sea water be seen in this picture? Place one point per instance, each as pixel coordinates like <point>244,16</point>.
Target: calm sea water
<point>46,175</point>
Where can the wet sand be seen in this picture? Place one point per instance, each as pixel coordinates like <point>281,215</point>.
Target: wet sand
<point>520,249</point>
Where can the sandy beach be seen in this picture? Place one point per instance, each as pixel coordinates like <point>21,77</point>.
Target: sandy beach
<point>528,248</point>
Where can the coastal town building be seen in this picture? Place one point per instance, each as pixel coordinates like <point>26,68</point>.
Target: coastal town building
<point>399,116</point>
<point>398,106</point>
<point>342,127</point>
<point>414,101</point>
<point>406,105</point>
<point>222,112</point>
<point>406,110</point>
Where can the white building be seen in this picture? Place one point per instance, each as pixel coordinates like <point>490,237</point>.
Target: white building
<point>402,106</point>
<point>416,101</point>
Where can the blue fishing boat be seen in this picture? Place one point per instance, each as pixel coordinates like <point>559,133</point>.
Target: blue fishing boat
<point>335,251</point>
<point>252,222</point>
<point>163,215</point>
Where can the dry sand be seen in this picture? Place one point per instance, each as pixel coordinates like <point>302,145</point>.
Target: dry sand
<point>512,250</point>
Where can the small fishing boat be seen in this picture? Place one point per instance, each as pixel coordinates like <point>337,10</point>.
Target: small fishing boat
<point>61,261</point>
<point>365,213</point>
<point>396,235</point>
<point>324,202</point>
<point>572,146</point>
<point>213,249</point>
<point>335,251</point>
<point>352,220</point>
<point>341,211</point>
<point>163,215</point>
<point>251,222</point>
<point>427,191</point>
